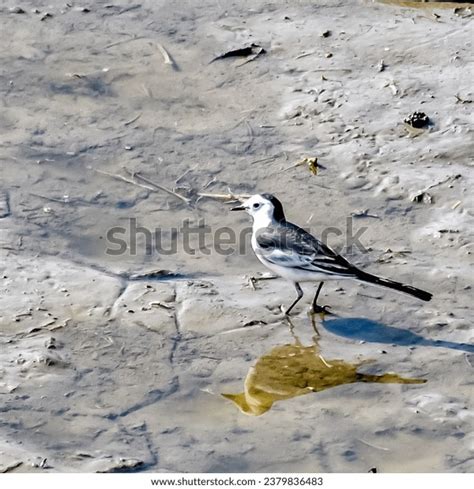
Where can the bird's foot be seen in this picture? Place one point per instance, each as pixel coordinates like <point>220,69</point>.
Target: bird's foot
<point>285,311</point>
<point>321,310</point>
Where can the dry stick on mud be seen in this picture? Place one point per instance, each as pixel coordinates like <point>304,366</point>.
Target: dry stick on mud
<point>184,174</point>
<point>131,121</point>
<point>158,186</point>
<point>230,196</point>
<point>121,177</point>
<point>153,186</point>
<point>265,160</point>
<point>166,57</point>
<point>132,181</point>
<point>51,199</point>
<point>123,41</point>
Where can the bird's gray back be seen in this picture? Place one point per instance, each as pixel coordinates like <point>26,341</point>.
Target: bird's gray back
<point>287,244</point>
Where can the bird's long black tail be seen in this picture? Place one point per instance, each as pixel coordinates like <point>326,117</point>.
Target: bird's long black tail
<point>391,284</point>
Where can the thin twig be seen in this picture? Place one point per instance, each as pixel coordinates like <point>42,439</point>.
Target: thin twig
<point>228,196</point>
<point>295,165</point>
<point>166,56</point>
<point>209,183</point>
<point>446,180</point>
<point>123,41</point>
<point>131,121</point>
<point>263,277</point>
<point>343,70</point>
<point>253,281</point>
<point>184,174</point>
<point>160,187</point>
<point>265,160</point>
<point>122,178</point>
<point>374,446</point>
<point>302,55</point>
<point>50,199</point>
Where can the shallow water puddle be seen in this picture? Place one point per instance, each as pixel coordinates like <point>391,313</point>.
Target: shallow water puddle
<point>288,371</point>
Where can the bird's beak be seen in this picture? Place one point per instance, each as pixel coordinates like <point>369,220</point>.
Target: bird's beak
<point>238,208</point>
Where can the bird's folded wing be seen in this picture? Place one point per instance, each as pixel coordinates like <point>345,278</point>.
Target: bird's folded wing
<point>294,248</point>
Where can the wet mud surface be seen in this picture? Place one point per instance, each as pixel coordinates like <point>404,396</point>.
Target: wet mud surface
<point>119,362</point>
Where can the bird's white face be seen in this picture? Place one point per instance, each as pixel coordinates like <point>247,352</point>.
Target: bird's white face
<point>258,205</point>
<point>260,208</point>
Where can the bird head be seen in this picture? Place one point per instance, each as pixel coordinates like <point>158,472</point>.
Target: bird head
<point>262,206</point>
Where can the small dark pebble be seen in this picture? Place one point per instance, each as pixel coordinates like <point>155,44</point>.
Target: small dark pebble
<point>417,120</point>
<point>252,49</point>
<point>372,470</point>
<point>49,362</point>
<point>254,323</point>
<point>462,11</point>
<point>423,197</point>
<point>17,10</point>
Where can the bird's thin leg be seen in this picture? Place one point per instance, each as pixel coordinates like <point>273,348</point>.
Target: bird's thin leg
<point>299,291</point>
<point>315,308</point>
<point>315,300</point>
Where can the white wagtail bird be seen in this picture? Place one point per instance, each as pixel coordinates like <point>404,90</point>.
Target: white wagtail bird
<point>297,256</point>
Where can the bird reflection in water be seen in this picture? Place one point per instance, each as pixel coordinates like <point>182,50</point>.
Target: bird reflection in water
<point>293,370</point>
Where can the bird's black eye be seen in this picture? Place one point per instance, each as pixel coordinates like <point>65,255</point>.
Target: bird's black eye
<point>256,205</point>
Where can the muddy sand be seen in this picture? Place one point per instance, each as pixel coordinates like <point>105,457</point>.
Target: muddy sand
<point>119,362</point>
